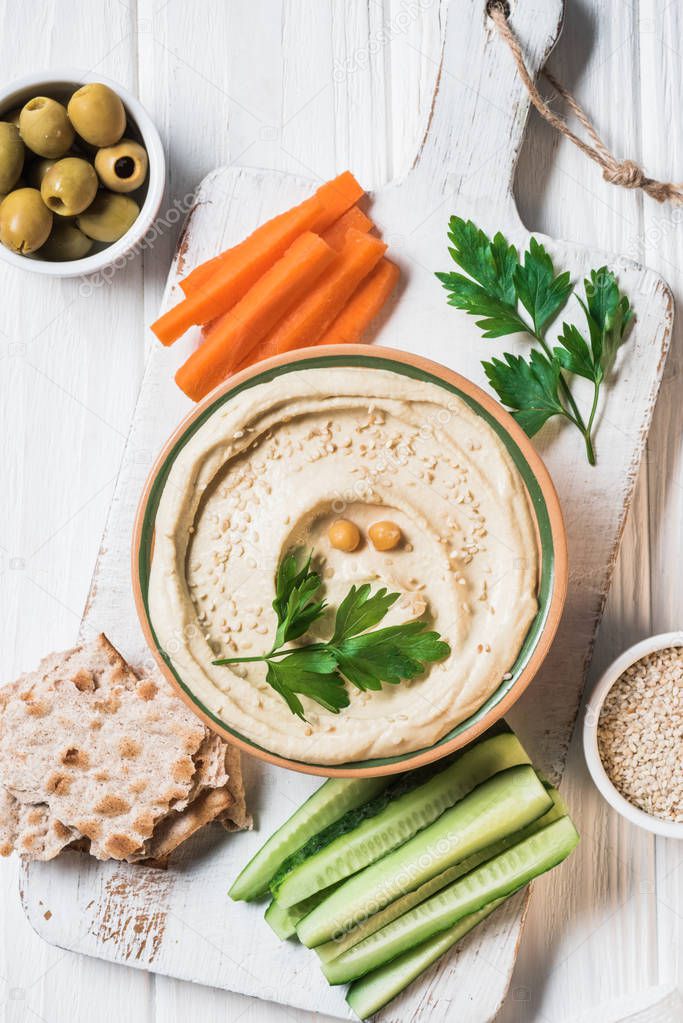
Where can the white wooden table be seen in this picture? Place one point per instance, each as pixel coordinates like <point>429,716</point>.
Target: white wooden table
<point>314,86</point>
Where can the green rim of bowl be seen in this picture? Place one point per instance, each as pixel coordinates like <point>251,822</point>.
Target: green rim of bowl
<point>538,504</point>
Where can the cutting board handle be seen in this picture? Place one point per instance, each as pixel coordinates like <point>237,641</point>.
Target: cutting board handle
<point>480,105</point>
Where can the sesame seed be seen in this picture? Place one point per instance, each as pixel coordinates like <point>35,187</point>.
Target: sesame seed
<point>640,734</point>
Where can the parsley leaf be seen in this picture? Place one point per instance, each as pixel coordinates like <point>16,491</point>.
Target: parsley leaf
<point>389,655</point>
<point>530,388</point>
<point>608,314</point>
<point>575,356</point>
<point>499,318</point>
<point>538,289</point>
<point>491,263</point>
<point>311,675</point>
<point>365,658</point>
<point>498,287</point>
<point>293,604</point>
<point>360,610</point>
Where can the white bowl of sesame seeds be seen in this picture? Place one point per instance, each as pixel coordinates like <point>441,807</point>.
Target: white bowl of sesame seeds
<point>633,734</point>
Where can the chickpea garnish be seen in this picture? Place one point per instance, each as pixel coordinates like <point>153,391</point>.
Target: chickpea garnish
<point>344,535</point>
<point>385,535</point>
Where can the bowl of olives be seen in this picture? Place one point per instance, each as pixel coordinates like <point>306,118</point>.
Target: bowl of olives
<point>82,173</point>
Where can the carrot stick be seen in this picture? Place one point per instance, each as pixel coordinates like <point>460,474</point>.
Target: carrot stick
<point>334,198</point>
<point>233,335</point>
<point>232,279</point>
<point>363,306</point>
<point>334,236</point>
<point>200,274</point>
<point>309,320</point>
<point>354,217</point>
<point>337,196</point>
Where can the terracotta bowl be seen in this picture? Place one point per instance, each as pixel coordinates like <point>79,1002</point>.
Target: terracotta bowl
<point>547,516</point>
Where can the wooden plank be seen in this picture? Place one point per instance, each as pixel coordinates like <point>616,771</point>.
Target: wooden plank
<point>661,241</point>
<point>70,367</point>
<point>622,936</point>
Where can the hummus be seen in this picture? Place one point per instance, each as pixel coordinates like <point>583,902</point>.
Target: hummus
<point>270,471</point>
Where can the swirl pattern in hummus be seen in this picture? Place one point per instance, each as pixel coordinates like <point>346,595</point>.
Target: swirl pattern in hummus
<point>272,469</point>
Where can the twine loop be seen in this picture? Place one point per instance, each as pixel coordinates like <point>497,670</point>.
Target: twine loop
<point>626,173</point>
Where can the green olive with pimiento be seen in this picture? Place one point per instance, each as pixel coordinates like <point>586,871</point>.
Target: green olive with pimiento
<point>108,217</point>
<point>69,186</point>
<point>123,167</point>
<point>97,114</point>
<point>11,156</point>
<point>45,128</point>
<point>66,242</point>
<point>25,221</point>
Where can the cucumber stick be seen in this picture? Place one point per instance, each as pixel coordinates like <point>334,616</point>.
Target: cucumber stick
<point>283,921</point>
<point>327,804</point>
<point>493,880</point>
<point>399,821</point>
<point>372,992</point>
<point>351,820</point>
<point>505,803</point>
<point>332,949</point>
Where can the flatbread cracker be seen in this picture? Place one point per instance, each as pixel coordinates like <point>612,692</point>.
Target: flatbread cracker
<point>236,817</point>
<point>176,828</point>
<point>31,829</point>
<point>210,767</point>
<point>108,753</point>
<point>95,758</point>
<point>219,765</point>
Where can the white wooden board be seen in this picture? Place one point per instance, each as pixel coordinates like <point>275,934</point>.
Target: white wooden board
<point>181,923</point>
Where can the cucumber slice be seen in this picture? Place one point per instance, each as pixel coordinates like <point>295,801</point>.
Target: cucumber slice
<point>332,949</point>
<point>500,806</point>
<point>398,821</point>
<point>373,991</point>
<point>284,921</point>
<point>496,879</point>
<point>327,804</point>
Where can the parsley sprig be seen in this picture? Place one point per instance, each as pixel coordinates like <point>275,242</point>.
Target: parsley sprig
<point>367,659</point>
<point>500,288</point>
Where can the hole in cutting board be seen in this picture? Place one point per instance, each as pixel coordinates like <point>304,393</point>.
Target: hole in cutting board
<point>498,5</point>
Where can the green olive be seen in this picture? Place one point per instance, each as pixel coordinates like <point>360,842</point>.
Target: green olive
<point>108,217</point>
<point>44,127</point>
<point>97,114</point>
<point>65,242</point>
<point>122,167</point>
<point>11,155</point>
<point>20,183</point>
<point>35,170</point>
<point>69,186</point>
<point>25,221</point>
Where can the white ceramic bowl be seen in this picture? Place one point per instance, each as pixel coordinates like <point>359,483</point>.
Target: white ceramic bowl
<point>669,829</point>
<point>60,84</point>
